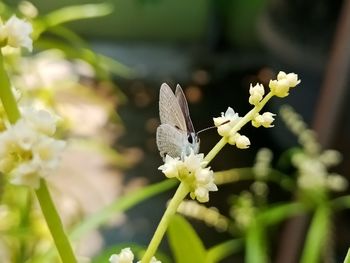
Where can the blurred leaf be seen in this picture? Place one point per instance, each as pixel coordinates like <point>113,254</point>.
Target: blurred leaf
<point>284,161</point>
<point>138,250</point>
<point>277,213</point>
<point>234,175</point>
<point>347,257</point>
<point>77,12</point>
<point>256,242</point>
<point>184,242</point>
<point>120,205</point>
<point>116,158</point>
<point>101,64</point>
<point>247,173</point>
<point>341,203</point>
<point>223,250</point>
<point>68,35</point>
<point>317,235</point>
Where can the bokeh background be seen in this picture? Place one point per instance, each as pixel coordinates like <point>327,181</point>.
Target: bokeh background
<point>214,50</point>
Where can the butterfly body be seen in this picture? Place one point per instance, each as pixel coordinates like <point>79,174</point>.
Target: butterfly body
<point>175,136</point>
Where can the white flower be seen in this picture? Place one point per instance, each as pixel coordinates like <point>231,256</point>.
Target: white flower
<point>46,151</point>
<point>256,93</point>
<point>171,165</point>
<point>292,78</point>
<point>125,256</point>
<point>26,174</point>
<point>24,136</point>
<point>336,182</point>
<point>190,171</point>
<point>27,153</point>
<point>265,120</point>
<point>154,260</point>
<point>41,120</point>
<point>242,142</point>
<point>284,82</point>
<point>226,122</point>
<point>16,33</point>
<point>330,157</point>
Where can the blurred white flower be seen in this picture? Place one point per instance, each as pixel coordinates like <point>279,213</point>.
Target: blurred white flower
<point>125,256</point>
<point>41,121</point>
<point>26,174</point>
<point>16,33</point>
<point>256,93</point>
<point>27,153</point>
<point>190,171</point>
<point>284,82</point>
<point>336,182</point>
<point>243,210</point>
<point>330,157</point>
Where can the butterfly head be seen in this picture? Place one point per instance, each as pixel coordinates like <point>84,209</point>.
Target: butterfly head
<point>192,144</point>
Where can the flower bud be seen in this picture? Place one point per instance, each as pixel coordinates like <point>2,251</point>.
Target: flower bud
<point>284,82</point>
<point>242,142</point>
<point>256,93</point>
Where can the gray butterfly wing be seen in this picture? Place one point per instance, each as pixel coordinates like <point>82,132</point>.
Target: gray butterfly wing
<point>169,109</point>
<point>184,108</point>
<point>170,140</point>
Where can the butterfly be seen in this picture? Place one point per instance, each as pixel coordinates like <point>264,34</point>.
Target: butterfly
<point>176,136</point>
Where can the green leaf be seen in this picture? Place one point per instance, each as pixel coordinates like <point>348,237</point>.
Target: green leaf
<point>185,244</point>
<point>223,250</point>
<point>341,203</point>
<point>347,257</point>
<point>277,213</point>
<point>317,235</point>
<point>256,244</point>
<point>77,12</point>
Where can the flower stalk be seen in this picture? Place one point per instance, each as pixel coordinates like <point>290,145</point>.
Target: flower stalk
<point>247,118</point>
<point>192,168</point>
<point>7,98</point>
<point>181,192</point>
<point>54,223</point>
<point>47,206</point>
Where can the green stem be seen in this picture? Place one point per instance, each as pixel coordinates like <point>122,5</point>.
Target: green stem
<point>179,195</point>
<point>247,118</point>
<point>7,98</point>
<point>52,218</point>
<point>54,223</point>
<point>216,149</point>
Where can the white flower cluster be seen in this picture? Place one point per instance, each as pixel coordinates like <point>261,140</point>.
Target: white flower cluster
<point>243,210</point>
<point>264,120</point>
<point>283,84</point>
<point>126,256</point>
<point>190,171</point>
<point>27,149</point>
<point>313,171</point>
<point>225,125</point>
<point>16,33</point>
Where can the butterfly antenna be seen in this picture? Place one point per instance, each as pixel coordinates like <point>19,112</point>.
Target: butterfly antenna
<point>212,127</point>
